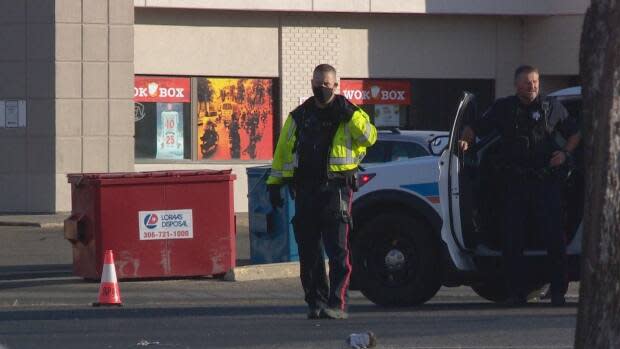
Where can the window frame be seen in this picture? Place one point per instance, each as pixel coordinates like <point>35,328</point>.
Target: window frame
<point>193,119</point>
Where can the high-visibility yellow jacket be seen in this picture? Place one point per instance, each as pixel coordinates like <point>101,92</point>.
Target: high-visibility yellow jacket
<point>346,152</point>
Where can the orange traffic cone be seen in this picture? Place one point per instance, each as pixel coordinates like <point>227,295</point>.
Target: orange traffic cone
<point>109,292</point>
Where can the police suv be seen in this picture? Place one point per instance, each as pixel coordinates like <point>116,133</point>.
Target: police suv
<point>432,220</point>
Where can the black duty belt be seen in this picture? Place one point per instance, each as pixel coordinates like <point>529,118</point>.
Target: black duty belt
<point>536,173</point>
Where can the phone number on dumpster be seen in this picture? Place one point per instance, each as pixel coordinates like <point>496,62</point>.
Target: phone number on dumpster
<point>162,225</point>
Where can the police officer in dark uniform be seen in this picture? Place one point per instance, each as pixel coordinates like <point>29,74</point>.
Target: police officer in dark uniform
<point>318,152</point>
<point>533,164</point>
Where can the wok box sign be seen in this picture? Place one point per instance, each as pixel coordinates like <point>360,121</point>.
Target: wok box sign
<point>166,225</point>
<point>160,89</point>
<point>377,91</point>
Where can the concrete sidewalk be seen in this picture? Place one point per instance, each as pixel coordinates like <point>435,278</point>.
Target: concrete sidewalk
<point>47,221</point>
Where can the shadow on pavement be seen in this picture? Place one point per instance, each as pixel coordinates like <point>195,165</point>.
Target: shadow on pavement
<point>21,272</point>
<point>141,312</point>
<point>370,308</point>
<point>241,310</point>
<point>14,284</point>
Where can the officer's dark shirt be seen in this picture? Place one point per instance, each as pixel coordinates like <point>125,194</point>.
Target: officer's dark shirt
<point>315,133</point>
<point>527,139</point>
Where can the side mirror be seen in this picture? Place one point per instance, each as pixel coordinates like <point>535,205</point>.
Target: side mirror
<point>438,144</point>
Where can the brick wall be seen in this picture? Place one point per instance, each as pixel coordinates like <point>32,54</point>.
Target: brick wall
<point>305,43</point>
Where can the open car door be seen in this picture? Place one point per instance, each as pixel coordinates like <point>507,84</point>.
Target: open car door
<point>453,205</point>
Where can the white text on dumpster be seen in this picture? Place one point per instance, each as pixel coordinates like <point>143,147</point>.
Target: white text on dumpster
<point>158,225</point>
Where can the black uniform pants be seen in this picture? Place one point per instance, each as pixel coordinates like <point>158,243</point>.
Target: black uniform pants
<point>538,200</point>
<point>322,218</point>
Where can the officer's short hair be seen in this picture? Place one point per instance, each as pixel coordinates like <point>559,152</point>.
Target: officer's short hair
<point>324,68</point>
<point>525,69</point>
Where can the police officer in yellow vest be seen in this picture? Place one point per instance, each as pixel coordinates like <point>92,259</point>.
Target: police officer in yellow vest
<point>318,152</point>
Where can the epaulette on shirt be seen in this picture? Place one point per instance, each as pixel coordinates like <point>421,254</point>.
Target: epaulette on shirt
<point>349,107</point>
<point>345,105</point>
<point>298,112</point>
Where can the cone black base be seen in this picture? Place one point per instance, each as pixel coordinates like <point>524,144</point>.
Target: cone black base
<point>97,304</point>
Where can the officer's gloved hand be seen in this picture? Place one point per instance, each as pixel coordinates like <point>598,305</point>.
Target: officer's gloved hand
<point>274,195</point>
<point>343,109</point>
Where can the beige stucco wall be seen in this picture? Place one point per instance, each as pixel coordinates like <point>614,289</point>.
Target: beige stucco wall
<point>410,46</point>
<point>552,43</point>
<point>396,46</point>
<point>401,46</point>
<point>179,42</point>
<point>72,61</point>
<point>287,45</point>
<point>487,7</point>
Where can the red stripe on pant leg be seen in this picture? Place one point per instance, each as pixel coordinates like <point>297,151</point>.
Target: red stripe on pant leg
<point>345,286</point>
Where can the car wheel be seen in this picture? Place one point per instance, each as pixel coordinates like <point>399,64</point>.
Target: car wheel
<point>396,260</point>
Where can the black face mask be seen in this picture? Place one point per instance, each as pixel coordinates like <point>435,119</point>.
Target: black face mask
<point>322,93</point>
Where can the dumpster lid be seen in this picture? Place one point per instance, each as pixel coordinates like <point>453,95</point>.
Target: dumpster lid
<point>77,178</point>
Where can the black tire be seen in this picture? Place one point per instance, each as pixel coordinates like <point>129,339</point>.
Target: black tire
<point>496,291</point>
<point>396,260</point>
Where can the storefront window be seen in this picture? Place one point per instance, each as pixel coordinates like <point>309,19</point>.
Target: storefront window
<point>386,101</point>
<point>434,101</point>
<point>162,118</point>
<point>415,104</point>
<point>235,119</point>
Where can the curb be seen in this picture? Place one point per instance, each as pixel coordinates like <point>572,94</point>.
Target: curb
<point>263,272</point>
<point>266,271</point>
<point>32,224</point>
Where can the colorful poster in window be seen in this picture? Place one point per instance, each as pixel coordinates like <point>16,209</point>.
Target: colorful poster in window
<point>170,131</point>
<point>235,119</point>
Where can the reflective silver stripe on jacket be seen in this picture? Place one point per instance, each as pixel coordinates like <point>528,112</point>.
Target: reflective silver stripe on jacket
<point>344,161</point>
<point>289,166</point>
<point>366,136</point>
<point>276,173</point>
<point>348,141</point>
<point>291,131</point>
<point>348,159</point>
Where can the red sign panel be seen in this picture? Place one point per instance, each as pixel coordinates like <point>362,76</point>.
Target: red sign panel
<point>376,91</point>
<point>161,89</point>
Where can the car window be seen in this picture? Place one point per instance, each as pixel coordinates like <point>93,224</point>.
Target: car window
<point>377,153</point>
<point>573,106</point>
<point>407,150</point>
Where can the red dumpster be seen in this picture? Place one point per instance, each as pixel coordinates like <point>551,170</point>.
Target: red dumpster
<point>159,224</point>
